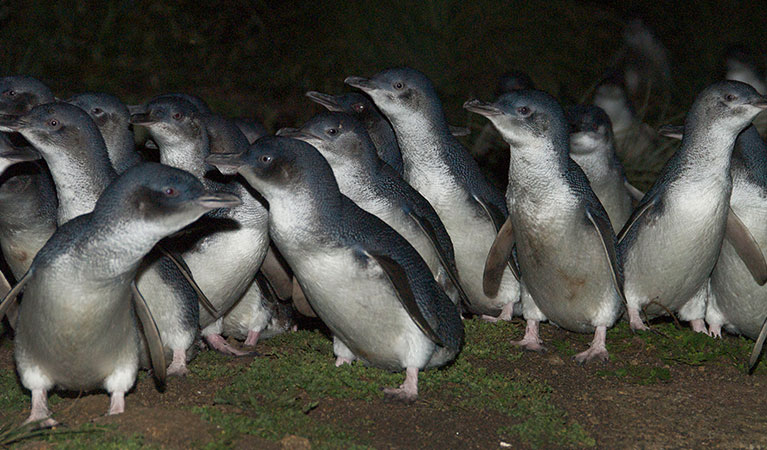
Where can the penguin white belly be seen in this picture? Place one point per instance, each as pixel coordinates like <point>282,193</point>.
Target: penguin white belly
<point>359,305</point>
<point>75,337</point>
<point>224,266</point>
<point>742,302</point>
<point>565,268</point>
<point>248,314</point>
<point>472,237</point>
<point>676,250</point>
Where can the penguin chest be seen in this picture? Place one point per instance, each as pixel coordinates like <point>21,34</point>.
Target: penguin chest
<point>352,295</point>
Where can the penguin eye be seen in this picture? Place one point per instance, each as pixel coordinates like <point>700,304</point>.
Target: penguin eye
<point>96,111</point>
<point>177,116</point>
<point>398,85</point>
<point>10,92</point>
<point>730,97</point>
<point>266,159</point>
<point>523,111</point>
<point>332,131</point>
<point>53,123</point>
<point>358,107</point>
<point>170,192</point>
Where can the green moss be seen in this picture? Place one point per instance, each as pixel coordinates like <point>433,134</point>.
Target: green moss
<point>213,365</point>
<point>12,395</point>
<point>494,342</point>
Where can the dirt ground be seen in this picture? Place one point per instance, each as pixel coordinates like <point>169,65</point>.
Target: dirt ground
<point>669,390</point>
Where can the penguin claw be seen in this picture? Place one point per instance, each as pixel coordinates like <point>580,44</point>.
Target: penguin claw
<point>715,331</point>
<point>43,424</point>
<point>218,343</point>
<point>400,395</point>
<point>593,353</point>
<point>531,345</point>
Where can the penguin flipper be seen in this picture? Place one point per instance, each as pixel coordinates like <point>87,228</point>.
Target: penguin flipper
<point>498,220</point>
<point>151,333</point>
<point>12,294</point>
<point>179,262</point>
<point>606,236</point>
<point>671,131</point>
<point>635,216</point>
<point>279,278</point>
<point>497,260</point>
<point>636,194</point>
<point>444,260</point>
<point>737,234</point>
<point>756,352</point>
<point>399,280</point>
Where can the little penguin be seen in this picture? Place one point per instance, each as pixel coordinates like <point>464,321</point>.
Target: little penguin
<point>364,280</point>
<point>592,147</point>
<point>673,238</point>
<point>236,239</point>
<point>375,187</point>
<point>565,244</point>
<point>28,200</point>
<point>113,119</point>
<point>378,128</point>
<point>77,327</point>
<point>71,144</point>
<point>442,171</point>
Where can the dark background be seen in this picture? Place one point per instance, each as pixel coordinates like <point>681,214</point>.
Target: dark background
<point>258,58</point>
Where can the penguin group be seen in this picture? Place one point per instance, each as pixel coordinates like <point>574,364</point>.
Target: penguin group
<point>136,235</point>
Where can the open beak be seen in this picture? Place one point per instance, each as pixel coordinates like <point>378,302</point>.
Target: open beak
<point>141,119</point>
<point>20,154</point>
<point>482,108</point>
<point>328,101</point>
<point>214,200</point>
<point>10,123</point>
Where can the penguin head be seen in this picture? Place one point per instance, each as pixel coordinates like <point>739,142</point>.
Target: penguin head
<point>103,108</point>
<point>528,119</point>
<point>353,103</point>
<point>162,198</point>
<point>19,94</point>
<point>278,166</point>
<point>55,126</point>
<point>727,106</point>
<point>590,129</point>
<point>514,81</point>
<point>399,92</point>
<point>170,120</point>
<point>339,137</point>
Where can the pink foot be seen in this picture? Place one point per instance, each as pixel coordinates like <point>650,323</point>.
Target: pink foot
<point>177,367</point>
<point>40,413</point>
<point>635,321</point>
<point>531,341</point>
<point>340,361</point>
<point>407,392</point>
<point>217,342</point>
<point>116,403</point>
<point>252,338</point>
<point>699,326</point>
<point>506,313</point>
<point>597,350</point>
<point>715,330</point>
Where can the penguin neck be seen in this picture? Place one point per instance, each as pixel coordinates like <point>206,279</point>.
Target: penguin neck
<point>186,154</point>
<point>299,215</point>
<point>423,139</point>
<point>80,179</point>
<point>751,151</point>
<point>598,163</point>
<point>355,179</point>
<point>706,152</point>
<point>536,173</point>
<point>121,147</point>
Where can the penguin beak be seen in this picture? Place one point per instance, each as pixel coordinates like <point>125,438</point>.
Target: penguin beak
<point>136,109</point>
<point>10,123</point>
<point>215,200</point>
<point>363,84</point>
<point>328,101</point>
<point>20,154</point>
<point>226,163</point>
<point>482,108</point>
<point>141,119</point>
<point>671,131</point>
<point>295,133</point>
<point>760,102</point>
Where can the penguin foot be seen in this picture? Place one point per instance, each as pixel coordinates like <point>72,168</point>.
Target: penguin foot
<point>252,338</point>
<point>42,424</point>
<point>715,330</point>
<point>218,343</point>
<point>596,350</point>
<point>407,392</point>
<point>699,326</point>
<point>635,321</point>
<point>506,313</point>
<point>340,361</point>
<point>178,366</point>
<point>531,341</point>
<point>40,414</point>
<point>116,403</point>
